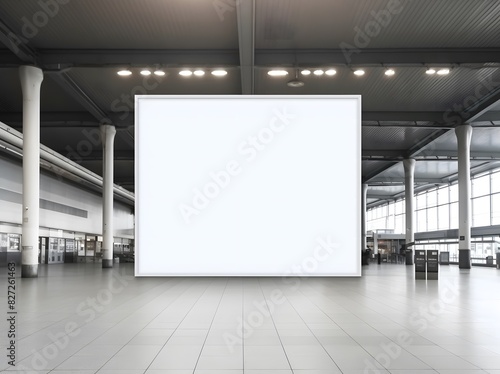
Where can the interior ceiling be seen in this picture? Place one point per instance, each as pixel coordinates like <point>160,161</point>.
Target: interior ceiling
<point>81,45</point>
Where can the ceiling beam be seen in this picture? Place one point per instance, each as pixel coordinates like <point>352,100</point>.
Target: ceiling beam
<point>97,155</point>
<point>245,11</point>
<point>72,88</point>
<point>9,59</point>
<point>81,118</point>
<point>47,118</point>
<point>400,116</point>
<point>377,56</point>
<point>17,45</point>
<point>488,116</point>
<point>380,154</point>
<point>59,58</point>
<point>66,119</point>
<point>481,106</point>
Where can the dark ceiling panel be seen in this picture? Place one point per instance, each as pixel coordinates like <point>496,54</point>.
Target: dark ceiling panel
<point>362,24</point>
<point>121,24</point>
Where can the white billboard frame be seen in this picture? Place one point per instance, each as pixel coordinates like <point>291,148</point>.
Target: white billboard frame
<point>272,126</point>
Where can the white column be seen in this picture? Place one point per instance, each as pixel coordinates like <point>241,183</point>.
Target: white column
<point>31,81</point>
<point>409,166</point>
<point>363,216</point>
<point>107,135</point>
<point>464,135</point>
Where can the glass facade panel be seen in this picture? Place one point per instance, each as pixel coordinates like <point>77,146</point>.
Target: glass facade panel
<point>432,224</point>
<point>453,193</point>
<point>495,182</point>
<point>443,195</point>
<point>400,224</point>
<point>443,217</point>
<point>454,216</point>
<point>437,208</point>
<point>495,206</point>
<point>481,211</point>
<point>480,186</point>
<point>431,198</point>
<point>421,220</point>
<point>421,202</point>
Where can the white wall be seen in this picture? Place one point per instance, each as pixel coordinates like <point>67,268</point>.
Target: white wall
<point>60,191</point>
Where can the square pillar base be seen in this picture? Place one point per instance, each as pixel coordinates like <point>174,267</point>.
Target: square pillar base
<point>464,261</point>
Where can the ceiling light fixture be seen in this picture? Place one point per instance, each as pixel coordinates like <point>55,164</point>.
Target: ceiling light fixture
<point>318,72</point>
<point>430,71</point>
<point>305,72</point>
<point>219,72</point>
<point>389,72</point>
<point>296,82</point>
<point>124,73</point>
<point>186,73</point>
<point>359,72</point>
<point>277,73</point>
<point>199,73</point>
<point>444,71</point>
<point>159,73</point>
<point>145,72</point>
<point>331,72</point>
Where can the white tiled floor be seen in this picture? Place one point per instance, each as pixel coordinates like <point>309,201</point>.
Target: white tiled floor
<point>81,319</point>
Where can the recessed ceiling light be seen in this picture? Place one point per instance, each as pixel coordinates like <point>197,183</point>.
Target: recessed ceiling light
<point>145,72</point>
<point>331,72</point>
<point>318,72</point>
<point>124,73</point>
<point>305,72</point>
<point>160,73</point>
<point>389,72</point>
<point>219,73</point>
<point>359,72</point>
<point>186,73</point>
<point>430,71</point>
<point>199,73</point>
<point>277,73</point>
<point>443,71</point>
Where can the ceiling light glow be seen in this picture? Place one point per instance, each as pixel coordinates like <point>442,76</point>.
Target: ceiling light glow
<point>145,72</point>
<point>331,72</point>
<point>430,71</point>
<point>443,71</point>
<point>359,72</point>
<point>219,72</point>
<point>277,73</point>
<point>389,72</point>
<point>159,73</point>
<point>124,73</point>
<point>186,73</point>
<point>199,73</point>
<point>305,72</point>
<point>318,72</point>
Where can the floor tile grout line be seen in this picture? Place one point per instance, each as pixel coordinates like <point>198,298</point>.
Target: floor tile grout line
<point>79,326</point>
<point>182,320</point>
<point>176,299</point>
<point>107,331</point>
<point>322,311</point>
<point>403,328</point>
<point>322,346</point>
<point>274,324</point>
<point>211,323</point>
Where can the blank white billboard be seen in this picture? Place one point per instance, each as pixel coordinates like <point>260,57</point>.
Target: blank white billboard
<point>248,185</point>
